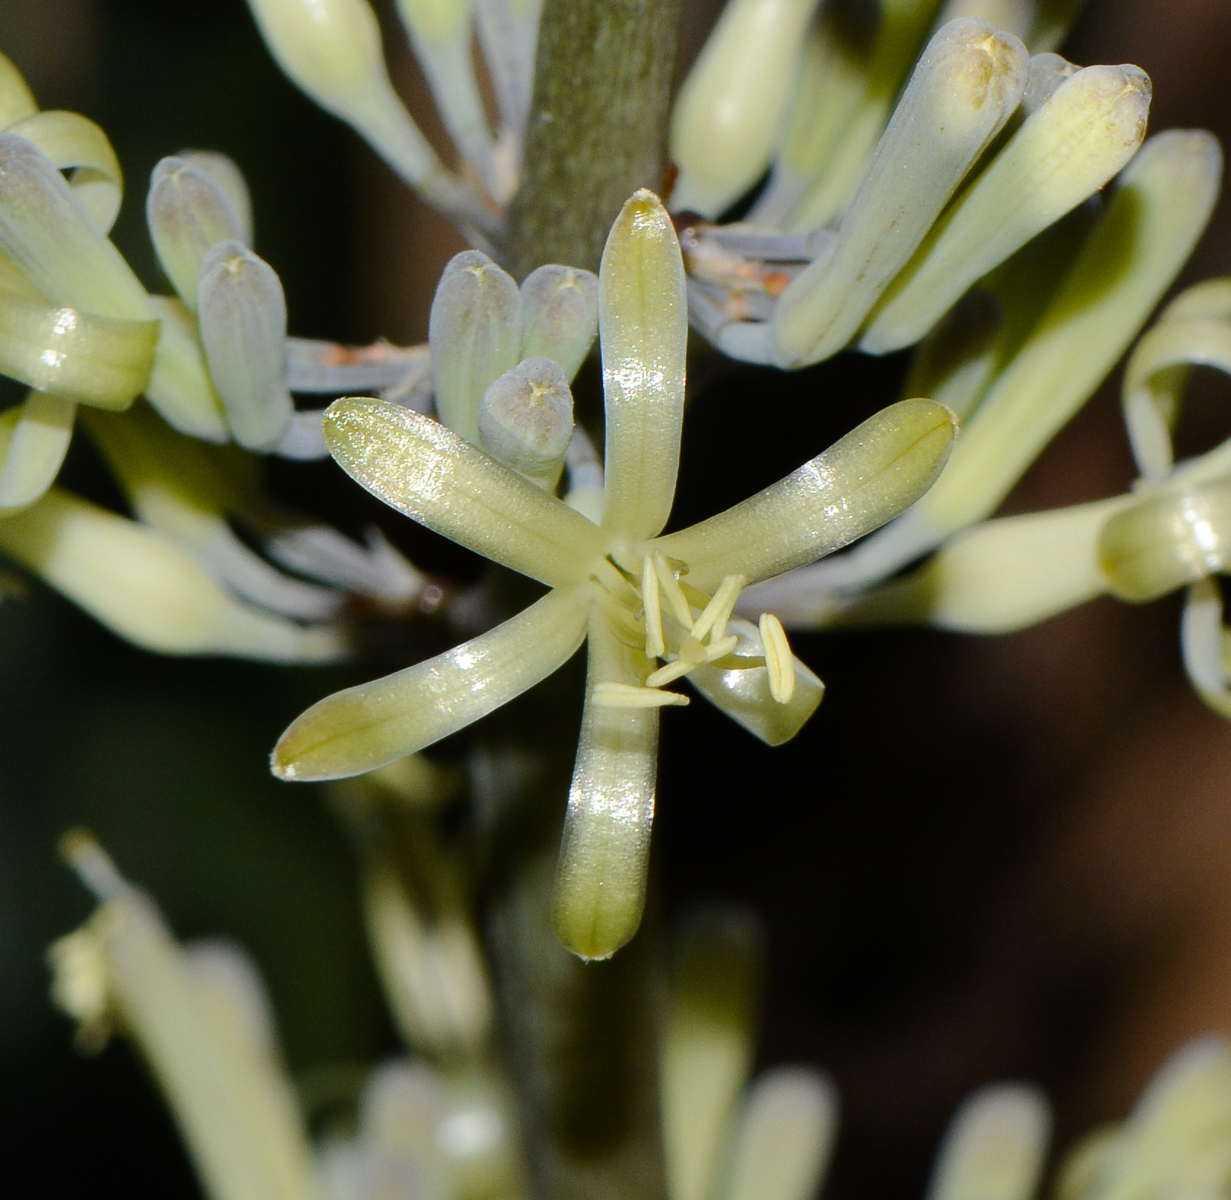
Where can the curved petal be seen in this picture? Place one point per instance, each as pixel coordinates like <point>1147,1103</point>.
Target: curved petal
<point>103,361</point>
<point>605,850</point>
<point>742,692</point>
<point>36,449</point>
<point>426,471</point>
<point>859,483</point>
<point>365,727</point>
<point>75,143</point>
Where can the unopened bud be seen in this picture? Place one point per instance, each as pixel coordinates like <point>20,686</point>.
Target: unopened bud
<point>188,214</point>
<point>526,420</point>
<point>227,175</point>
<point>731,108</point>
<point>995,1147</point>
<point>783,1137</point>
<point>559,315</point>
<point>475,336</point>
<point>243,328</point>
<point>1087,131</point>
<point>966,86</point>
<point>709,1038</point>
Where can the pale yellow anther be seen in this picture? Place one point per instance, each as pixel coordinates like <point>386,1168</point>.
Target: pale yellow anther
<point>691,651</point>
<point>670,673</point>
<point>652,603</point>
<point>779,661</point>
<point>627,695</point>
<point>721,648</point>
<point>718,611</point>
<point>680,608</point>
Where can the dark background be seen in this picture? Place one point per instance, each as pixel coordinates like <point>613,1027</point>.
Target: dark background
<point>982,859</point>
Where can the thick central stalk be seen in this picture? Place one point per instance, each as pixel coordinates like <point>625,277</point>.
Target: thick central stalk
<point>597,127</point>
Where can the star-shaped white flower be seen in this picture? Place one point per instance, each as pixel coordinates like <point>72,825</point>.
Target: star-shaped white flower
<point>636,596</point>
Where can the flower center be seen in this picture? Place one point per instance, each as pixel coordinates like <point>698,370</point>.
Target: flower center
<point>685,629</point>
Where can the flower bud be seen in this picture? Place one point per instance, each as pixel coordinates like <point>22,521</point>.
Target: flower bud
<point>730,110</point>
<point>559,315</point>
<point>708,1043</point>
<point>331,49</point>
<point>966,86</point>
<point>526,420</point>
<point>995,1146</point>
<point>188,213</point>
<point>781,1143</point>
<point>1084,134</point>
<point>242,314</point>
<point>227,175</point>
<point>474,333</point>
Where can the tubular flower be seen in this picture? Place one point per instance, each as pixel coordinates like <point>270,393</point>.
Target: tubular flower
<point>654,608</point>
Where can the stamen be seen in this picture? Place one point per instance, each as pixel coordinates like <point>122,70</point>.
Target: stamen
<point>627,695</point>
<point>680,608</point>
<point>720,649</point>
<point>670,673</point>
<point>652,603</point>
<point>779,661</point>
<point>718,611</point>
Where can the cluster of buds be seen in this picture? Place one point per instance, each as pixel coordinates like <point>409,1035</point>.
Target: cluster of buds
<point>216,370</point>
<point>441,1122</point>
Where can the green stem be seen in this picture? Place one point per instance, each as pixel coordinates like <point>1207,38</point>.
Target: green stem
<point>597,128</point>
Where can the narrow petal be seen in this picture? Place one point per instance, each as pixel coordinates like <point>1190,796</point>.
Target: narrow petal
<point>148,590</point>
<point>709,1038</point>
<point>365,727</point>
<point>643,332</point>
<point>1203,640</point>
<point>1154,381</point>
<point>859,483</point>
<point>36,449</point>
<point>16,99</point>
<point>743,692</point>
<point>998,577</point>
<point>331,49</point>
<point>783,1137</point>
<point>605,850</point>
<point>227,175</point>
<point>426,471</point>
<point>995,1147</point>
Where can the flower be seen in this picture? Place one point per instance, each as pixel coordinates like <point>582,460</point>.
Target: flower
<point>639,598</point>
